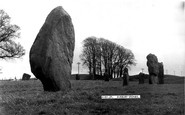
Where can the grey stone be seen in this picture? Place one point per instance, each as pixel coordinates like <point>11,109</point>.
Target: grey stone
<point>26,76</point>
<point>161,73</point>
<point>125,77</point>
<point>77,77</point>
<point>106,76</point>
<point>141,78</point>
<point>153,68</point>
<point>51,54</point>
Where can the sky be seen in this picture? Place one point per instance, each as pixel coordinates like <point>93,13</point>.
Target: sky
<point>143,26</point>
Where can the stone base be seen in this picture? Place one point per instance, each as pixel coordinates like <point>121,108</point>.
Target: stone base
<point>153,79</point>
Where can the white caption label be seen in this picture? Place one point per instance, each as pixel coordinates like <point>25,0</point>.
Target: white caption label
<point>120,97</point>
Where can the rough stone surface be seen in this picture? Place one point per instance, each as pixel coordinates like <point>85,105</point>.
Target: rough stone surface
<point>26,76</point>
<point>51,54</point>
<point>153,68</point>
<point>152,63</point>
<point>125,77</point>
<point>161,73</point>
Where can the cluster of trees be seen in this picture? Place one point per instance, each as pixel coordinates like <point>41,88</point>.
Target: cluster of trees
<point>9,49</point>
<point>103,57</point>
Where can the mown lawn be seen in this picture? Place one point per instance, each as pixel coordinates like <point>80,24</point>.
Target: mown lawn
<point>28,98</point>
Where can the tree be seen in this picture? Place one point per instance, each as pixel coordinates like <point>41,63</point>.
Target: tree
<point>104,53</point>
<point>103,56</point>
<point>89,54</point>
<point>9,49</point>
<point>108,55</point>
<point>125,58</point>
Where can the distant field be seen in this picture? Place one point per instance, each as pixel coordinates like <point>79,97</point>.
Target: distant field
<point>28,97</point>
<point>169,79</point>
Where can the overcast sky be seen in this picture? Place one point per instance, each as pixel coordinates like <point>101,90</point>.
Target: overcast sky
<point>143,26</point>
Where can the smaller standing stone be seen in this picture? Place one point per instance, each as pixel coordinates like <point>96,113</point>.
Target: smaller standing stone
<point>161,73</point>
<point>106,76</point>
<point>77,77</point>
<point>141,78</point>
<point>150,79</point>
<point>26,76</point>
<point>125,77</point>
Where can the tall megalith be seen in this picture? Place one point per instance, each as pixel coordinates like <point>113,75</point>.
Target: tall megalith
<point>51,54</point>
<point>153,68</point>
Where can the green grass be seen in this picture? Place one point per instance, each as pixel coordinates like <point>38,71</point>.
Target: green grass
<point>28,98</point>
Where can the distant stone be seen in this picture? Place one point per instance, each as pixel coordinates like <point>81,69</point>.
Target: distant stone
<point>51,54</point>
<point>77,77</point>
<point>141,78</point>
<point>125,77</point>
<point>161,73</point>
<point>106,76</point>
<point>26,76</point>
<point>153,68</point>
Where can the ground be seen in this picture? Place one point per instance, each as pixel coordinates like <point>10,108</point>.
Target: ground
<point>28,97</point>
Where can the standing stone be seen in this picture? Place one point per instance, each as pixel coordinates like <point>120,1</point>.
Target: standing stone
<point>141,78</point>
<point>125,77</point>
<point>161,73</point>
<point>153,68</point>
<point>51,54</point>
<point>106,76</point>
<point>77,77</point>
<point>25,76</point>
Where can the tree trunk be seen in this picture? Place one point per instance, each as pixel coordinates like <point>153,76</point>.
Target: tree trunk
<point>94,66</point>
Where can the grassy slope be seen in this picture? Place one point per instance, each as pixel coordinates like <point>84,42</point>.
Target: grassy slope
<point>27,97</point>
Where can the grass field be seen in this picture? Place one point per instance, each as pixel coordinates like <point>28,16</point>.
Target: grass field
<point>28,98</point>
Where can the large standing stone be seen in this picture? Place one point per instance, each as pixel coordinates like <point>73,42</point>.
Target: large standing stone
<point>153,69</point>
<point>161,73</point>
<point>51,54</point>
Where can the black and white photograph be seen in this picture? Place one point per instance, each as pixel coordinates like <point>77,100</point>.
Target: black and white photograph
<point>92,57</point>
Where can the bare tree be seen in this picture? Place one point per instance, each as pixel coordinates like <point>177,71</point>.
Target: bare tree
<point>89,54</point>
<point>125,59</point>
<point>8,32</point>
<point>86,58</point>
<point>103,56</point>
<point>109,55</point>
<point>99,58</point>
